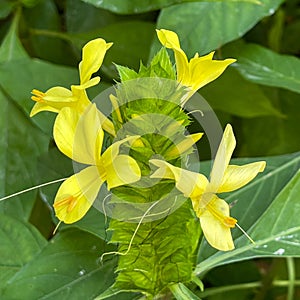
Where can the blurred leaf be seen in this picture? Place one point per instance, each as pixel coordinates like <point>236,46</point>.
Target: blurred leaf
<point>181,292</point>
<point>20,242</point>
<point>206,26</point>
<point>20,143</point>
<point>128,49</point>
<point>290,43</point>
<point>5,8</point>
<point>11,47</point>
<point>263,66</point>
<point>232,94</point>
<point>44,40</point>
<point>18,78</point>
<point>137,6</point>
<point>272,135</point>
<point>78,22</point>
<point>69,267</point>
<point>269,205</point>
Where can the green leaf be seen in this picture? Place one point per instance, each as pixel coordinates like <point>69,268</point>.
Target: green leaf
<point>69,267</point>
<point>41,20</point>
<point>268,206</point>
<point>234,95</point>
<point>20,143</point>
<point>263,66</point>
<point>137,6</point>
<point>20,242</point>
<point>5,8</point>
<point>272,135</point>
<point>205,26</point>
<point>181,292</point>
<point>11,47</point>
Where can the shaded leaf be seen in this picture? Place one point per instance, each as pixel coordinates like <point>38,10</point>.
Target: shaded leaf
<point>69,267</point>
<point>206,26</point>
<point>263,66</point>
<point>5,8</point>
<point>271,135</point>
<point>268,206</point>
<point>232,94</point>
<point>42,19</point>
<point>20,242</point>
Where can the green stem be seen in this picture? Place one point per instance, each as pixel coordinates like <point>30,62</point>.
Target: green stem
<point>250,285</point>
<point>49,33</point>
<point>291,275</point>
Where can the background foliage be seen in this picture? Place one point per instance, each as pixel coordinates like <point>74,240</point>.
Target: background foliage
<point>258,95</point>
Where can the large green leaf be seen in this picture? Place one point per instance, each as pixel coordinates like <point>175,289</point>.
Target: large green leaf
<point>205,26</point>
<point>20,242</point>
<point>69,267</point>
<point>263,66</point>
<point>234,95</point>
<point>269,207</point>
<point>20,145</point>
<point>137,6</point>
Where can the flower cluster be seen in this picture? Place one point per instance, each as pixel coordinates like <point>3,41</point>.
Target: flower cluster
<point>78,133</point>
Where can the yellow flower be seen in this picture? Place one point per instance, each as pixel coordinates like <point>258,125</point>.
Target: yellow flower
<point>183,146</point>
<point>197,72</point>
<point>58,97</point>
<point>212,211</point>
<point>80,137</point>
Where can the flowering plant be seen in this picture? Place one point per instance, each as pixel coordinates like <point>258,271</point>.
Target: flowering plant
<point>130,188</point>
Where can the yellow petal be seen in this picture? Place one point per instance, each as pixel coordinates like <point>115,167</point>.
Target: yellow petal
<point>92,57</point>
<point>79,136</point>
<point>222,159</point>
<point>238,176</point>
<point>216,232</point>
<point>52,100</point>
<point>88,137</point>
<point>168,38</point>
<point>123,170</point>
<point>92,82</point>
<point>64,130</point>
<point>191,184</point>
<point>107,125</point>
<point>183,146</point>
<point>38,107</point>
<point>203,70</point>
<point>113,150</point>
<point>77,194</point>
